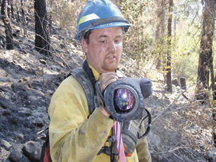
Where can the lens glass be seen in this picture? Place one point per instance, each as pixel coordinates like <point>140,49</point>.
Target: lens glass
<point>124,100</point>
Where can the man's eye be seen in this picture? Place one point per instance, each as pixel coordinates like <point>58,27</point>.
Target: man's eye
<point>102,41</point>
<point>117,41</point>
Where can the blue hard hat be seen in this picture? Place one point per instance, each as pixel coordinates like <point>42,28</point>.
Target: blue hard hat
<point>98,14</point>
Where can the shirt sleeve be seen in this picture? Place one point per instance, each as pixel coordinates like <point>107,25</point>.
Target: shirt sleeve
<point>73,136</point>
<point>142,149</point>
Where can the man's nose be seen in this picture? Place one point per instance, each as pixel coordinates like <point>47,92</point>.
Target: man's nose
<point>112,46</point>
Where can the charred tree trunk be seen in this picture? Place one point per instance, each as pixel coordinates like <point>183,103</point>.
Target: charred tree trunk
<point>12,9</point>
<point>169,43</point>
<point>205,65</point>
<point>23,19</point>
<point>205,56</point>
<point>160,32</point>
<point>8,29</point>
<point>9,8</point>
<point>17,14</point>
<point>42,40</point>
<point>213,80</point>
<point>183,83</point>
<point>213,86</point>
<point>213,74</point>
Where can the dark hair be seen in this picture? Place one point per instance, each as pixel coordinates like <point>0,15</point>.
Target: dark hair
<point>86,36</point>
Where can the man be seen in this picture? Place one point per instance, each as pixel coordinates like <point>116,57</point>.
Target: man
<point>75,134</point>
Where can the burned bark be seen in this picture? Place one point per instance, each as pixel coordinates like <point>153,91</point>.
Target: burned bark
<point>205,63</point>
<point>7,25</point>
<point>42,39</point>
<point>169,42</point>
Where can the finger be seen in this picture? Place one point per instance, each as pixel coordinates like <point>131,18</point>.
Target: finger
<point>106,79</point>
<point>108,74</point>
<point>108,82</point>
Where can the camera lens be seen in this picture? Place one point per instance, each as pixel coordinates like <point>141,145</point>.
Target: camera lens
<point>123,100</point>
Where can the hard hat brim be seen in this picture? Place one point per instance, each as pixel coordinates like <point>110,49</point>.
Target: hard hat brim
<point>124,26</point>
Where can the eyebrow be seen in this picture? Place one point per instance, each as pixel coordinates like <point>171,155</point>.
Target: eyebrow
<point>105,36</point>
<point>102,36</point>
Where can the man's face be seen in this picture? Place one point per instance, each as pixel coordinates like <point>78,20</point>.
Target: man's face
<point>104,49</point>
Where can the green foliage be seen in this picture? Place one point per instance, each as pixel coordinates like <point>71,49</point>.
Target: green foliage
<point>185,66</point>
<point>65,12</point>
<point>185,53</point>
<point>142,42</point>
<point>139,38</point>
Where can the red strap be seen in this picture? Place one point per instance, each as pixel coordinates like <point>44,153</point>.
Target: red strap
<point>47,157</point>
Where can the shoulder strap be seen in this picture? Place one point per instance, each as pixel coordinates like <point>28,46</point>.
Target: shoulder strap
<point>86,79</point>
<point>82,77</point>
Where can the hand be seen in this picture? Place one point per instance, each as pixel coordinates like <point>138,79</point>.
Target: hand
<point>105,80</point>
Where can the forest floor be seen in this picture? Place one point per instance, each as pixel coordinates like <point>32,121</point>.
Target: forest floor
<point>181,128</point>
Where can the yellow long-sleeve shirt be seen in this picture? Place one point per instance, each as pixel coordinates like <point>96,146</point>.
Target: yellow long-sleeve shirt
<point>76,138</point>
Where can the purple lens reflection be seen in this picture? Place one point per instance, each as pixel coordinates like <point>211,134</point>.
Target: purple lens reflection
<point>123,100</point>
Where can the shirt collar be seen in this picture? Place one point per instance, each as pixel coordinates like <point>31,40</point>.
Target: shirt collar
<point>95,72</point>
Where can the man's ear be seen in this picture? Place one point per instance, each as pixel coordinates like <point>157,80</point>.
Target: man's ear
<point>84,45</point>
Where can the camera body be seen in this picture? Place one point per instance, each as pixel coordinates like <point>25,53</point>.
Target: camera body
<point>124,99</point>
<point>132,106</point>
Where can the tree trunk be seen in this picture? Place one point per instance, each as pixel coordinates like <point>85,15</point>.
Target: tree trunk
<point>213,81</point>
<point>8,8</point>
<point>205,56</point>
<point>183,83</point>
<point>12,9</point>
<point>8,29</point>
<point>17,14</point>
<point>160,32</point>
<point>42,40</point>
<point>169,43</point>
<point>23,19</point>
<point>205,65</point>
<point>213,74</point>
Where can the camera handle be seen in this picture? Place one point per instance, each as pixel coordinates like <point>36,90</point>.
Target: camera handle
<point>99,93</point>
<point>148,127</point>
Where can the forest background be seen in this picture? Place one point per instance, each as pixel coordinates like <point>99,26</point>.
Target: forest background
<point>171,42</point>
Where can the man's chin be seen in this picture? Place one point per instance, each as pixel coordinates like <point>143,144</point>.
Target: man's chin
<point>111,69</point>
<point>111,66</point>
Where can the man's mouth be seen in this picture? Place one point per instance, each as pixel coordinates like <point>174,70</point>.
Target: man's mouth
<point>111,57</point>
